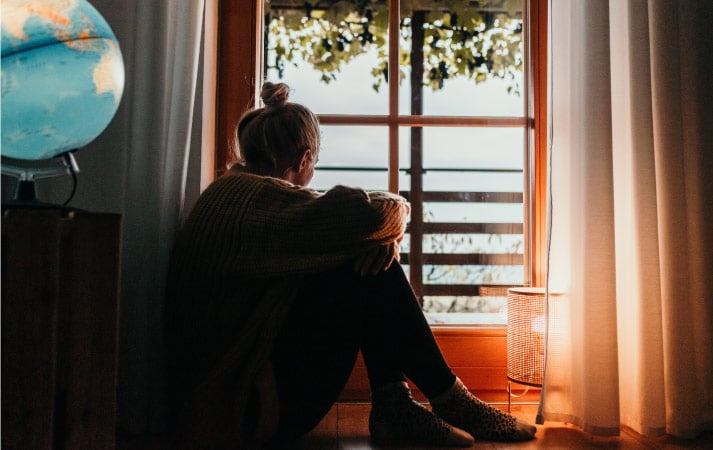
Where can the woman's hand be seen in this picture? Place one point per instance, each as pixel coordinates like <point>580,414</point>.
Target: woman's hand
<point>377,259</point>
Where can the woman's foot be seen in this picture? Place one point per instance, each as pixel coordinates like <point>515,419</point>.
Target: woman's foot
<point>460,408</point>
<point>396,417</point>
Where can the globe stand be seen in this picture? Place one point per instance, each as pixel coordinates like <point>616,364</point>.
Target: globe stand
<point>28,172</point>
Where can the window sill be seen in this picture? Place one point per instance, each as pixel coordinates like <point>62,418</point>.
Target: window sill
<point>477,355</point>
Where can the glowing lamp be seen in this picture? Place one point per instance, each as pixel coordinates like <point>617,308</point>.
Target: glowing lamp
<point>527,326</point>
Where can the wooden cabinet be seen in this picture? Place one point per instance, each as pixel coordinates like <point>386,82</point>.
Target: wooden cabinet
<point>60,291</point>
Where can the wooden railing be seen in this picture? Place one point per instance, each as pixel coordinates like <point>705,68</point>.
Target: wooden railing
<point>417,258</point>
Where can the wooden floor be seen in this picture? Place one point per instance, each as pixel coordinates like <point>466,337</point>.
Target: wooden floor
<point>346,428</point>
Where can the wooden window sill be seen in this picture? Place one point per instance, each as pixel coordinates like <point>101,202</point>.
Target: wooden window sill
<point>477,355</point>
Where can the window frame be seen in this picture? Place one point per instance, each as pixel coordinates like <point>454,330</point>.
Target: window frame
<point>238,79</point>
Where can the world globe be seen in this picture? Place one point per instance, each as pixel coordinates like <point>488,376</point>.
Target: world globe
<point>62,77</point>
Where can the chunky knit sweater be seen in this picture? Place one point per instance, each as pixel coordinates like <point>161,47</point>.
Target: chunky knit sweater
<point>235,267</point>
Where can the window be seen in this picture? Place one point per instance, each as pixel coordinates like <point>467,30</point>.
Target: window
<point>456,129</point>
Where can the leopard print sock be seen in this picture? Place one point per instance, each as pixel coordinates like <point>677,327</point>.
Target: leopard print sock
<point>396,417</point>
<point>460,408</point>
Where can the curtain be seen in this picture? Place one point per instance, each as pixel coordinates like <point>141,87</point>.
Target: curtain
<point>630,343</point>
<point>146,166</point>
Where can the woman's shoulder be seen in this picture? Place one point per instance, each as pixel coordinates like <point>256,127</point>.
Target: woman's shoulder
<point>240,179</point>
<point>240,175</point>
<point>243,189</point>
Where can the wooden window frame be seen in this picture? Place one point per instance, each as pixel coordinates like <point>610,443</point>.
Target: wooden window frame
<point>237,90</point>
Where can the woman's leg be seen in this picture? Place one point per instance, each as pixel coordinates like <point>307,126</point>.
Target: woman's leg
<point>336,313</point>
<point>315,352</point>
<point>396,339</point>
<point>396,342</point>
<point>397,336</point>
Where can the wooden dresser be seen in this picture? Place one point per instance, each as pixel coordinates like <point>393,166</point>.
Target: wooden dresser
<point>60,303</point>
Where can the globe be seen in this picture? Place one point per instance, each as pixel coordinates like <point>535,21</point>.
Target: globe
<point>62,77</point>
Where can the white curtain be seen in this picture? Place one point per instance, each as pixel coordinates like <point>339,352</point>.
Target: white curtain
<point>631,206</point>
<point>146,166</point>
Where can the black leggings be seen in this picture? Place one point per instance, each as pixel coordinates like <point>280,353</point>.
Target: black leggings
<point>336,314</point>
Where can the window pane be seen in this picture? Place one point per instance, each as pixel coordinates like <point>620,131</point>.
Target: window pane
<point>464,59</point>
<point>481,148</point>
<point>469,181</point>
<point>332,54</point>
<point>468,243</point>
<point>353,156</point>
<point>473,212</point>
<point>325,179</point>
<point>467,310</point>
<point>472,274</point>
<point>473,243</point>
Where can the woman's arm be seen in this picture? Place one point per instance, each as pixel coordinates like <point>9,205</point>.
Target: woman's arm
<point>303,230</point>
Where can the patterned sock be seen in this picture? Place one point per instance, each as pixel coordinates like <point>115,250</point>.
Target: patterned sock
<point>459,407</point>
<point>396,417</point>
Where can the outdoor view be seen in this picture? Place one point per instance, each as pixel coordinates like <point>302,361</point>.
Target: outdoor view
<point>461,124</point>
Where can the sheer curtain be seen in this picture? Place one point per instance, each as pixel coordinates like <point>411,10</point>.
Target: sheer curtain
<point>146,166</point>
<point>631,217</point>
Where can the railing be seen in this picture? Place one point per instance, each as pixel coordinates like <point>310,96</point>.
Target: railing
<point>420,258</point>
<point>416,258</point>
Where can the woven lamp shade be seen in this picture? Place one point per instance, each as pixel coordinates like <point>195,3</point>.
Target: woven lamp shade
<point>526,335</point>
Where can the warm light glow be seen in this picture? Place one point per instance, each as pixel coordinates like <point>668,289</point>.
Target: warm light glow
<point>538,325</point>
<point>530,323</point>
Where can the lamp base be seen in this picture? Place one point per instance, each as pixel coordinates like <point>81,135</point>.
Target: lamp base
<point>522,394</point>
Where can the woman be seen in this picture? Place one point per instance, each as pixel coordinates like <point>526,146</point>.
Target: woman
<point>273,290</point>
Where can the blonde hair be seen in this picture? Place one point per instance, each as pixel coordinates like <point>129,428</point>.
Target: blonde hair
<point>272,138</point>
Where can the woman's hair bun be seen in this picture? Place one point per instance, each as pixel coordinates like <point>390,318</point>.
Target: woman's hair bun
<point>274,94</point>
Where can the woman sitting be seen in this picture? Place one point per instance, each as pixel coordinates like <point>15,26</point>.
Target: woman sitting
<point>273,290</point>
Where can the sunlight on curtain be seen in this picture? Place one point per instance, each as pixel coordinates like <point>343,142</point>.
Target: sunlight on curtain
<point>582,256</point>
<point>639,292</point>
<point>632,245</point>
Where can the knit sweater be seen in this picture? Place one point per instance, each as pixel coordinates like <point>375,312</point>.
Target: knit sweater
<point>235,268</point>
